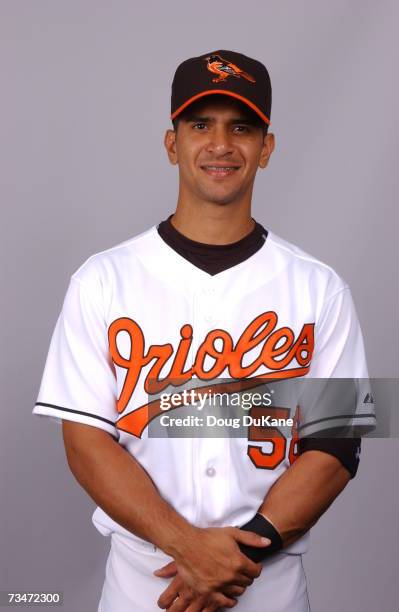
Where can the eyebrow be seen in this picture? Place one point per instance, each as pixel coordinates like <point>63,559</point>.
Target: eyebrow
<point>238,120</point>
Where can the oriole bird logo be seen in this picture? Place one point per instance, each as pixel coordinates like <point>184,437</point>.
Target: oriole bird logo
<point>224,69</point>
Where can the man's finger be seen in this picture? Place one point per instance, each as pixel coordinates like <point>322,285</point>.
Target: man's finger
<point>234,590</point>
<point>222,601</point>
<point>181,603</point>
<point>251,569</point>
<point>197,605</point>
<point>170,593</point>
<point>243,580</point>
<point>167,571</point>
<point>250,538</point>
<point>209,608</point>
<point>210,603</point>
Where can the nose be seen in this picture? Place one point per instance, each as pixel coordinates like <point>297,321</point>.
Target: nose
<point>220,141</point>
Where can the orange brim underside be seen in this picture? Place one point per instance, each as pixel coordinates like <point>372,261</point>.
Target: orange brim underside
<point>226,93</point>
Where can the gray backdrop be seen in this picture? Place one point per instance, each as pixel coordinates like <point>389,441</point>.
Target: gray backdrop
<point>84,106</point>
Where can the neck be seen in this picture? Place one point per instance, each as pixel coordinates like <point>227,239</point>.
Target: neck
<point>211,223</point>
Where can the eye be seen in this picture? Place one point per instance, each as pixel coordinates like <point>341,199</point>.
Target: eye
<point>199,125</point>
<point>241,129</point>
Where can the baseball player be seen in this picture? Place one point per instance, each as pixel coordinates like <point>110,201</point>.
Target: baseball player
<point>204,523</point>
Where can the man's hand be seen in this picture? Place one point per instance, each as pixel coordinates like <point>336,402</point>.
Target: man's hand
<point>211,570</point>
<point>177,586</point>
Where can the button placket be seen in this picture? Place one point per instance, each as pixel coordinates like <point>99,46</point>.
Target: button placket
<point>208,304</point>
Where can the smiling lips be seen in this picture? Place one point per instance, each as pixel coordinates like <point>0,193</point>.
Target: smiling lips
<point>218,170</point>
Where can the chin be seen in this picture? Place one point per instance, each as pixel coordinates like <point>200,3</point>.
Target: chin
<point>221,202</point>
<point>221,198</point>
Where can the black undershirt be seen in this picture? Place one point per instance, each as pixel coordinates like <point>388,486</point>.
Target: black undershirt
<point>213,258</point>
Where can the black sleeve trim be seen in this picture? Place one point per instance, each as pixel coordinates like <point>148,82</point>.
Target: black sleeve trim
<point>346,450</point>
<point>93,416</point>
<point>341,416</point>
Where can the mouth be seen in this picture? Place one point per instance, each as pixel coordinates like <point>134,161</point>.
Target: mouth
<point>219,171</point>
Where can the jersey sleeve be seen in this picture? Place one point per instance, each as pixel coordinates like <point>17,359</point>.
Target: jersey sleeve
<point>337,397</point>
<point>79,382</point>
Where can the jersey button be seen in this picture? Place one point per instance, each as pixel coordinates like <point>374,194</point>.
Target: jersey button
<point>210,471</point>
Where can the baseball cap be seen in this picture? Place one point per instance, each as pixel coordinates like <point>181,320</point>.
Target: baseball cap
<point>222,72</point>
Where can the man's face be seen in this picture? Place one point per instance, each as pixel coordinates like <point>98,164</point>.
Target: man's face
<point>218,148</point>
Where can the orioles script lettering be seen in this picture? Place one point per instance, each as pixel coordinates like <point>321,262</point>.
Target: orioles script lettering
<point>278,348</point>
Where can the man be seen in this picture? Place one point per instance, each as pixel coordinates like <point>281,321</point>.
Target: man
<point>205,523</point>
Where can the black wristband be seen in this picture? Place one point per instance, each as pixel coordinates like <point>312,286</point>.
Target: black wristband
<point>260,525</point>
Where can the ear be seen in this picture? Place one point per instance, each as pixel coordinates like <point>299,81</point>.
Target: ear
<point>170,146</point>
<point>267,150</point>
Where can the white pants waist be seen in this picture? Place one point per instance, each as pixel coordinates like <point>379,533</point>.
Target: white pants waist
<point>130,585</point>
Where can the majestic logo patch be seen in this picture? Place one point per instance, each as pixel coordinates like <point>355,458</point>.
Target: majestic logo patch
<point>223,69</point>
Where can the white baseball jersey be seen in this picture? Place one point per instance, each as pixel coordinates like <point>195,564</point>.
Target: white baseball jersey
<point>140,312</point>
